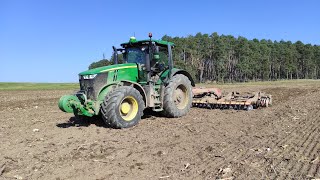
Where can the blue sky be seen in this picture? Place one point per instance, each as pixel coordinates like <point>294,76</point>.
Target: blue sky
<point>54,40</point>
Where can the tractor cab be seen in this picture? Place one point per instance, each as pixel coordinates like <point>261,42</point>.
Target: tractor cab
<point>152,56</point>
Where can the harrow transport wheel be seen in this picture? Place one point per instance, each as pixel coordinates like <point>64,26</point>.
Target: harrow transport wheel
<point>177,96</point>
<point>122,107</point>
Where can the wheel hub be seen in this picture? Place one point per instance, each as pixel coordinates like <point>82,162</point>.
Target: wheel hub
<point>125,107</point>
<point>129,108</point>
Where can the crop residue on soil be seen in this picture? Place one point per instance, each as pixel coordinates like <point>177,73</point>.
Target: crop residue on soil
<point>38,141</point>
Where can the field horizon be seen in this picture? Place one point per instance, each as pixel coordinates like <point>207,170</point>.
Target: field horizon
<point>67,86</point>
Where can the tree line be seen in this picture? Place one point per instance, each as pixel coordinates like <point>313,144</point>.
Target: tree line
<point>225,58</point>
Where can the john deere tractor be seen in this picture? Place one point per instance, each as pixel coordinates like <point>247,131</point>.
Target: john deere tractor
<point>121,92</point>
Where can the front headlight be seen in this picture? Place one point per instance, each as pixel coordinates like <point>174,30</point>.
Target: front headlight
<point>90,76</point>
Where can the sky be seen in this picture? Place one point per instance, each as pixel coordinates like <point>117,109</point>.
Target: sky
<point>54,40</point>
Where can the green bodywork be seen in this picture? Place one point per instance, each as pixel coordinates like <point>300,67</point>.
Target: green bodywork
<point>89,107</point>
<point>106,78</point>
<point>129,68</point>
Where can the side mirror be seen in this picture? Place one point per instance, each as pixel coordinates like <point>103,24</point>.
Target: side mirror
<point>156,57</point>
<point>124,54</point>
<point>156,49</point>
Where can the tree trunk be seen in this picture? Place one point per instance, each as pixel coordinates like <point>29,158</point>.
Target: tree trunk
<point>201,68</point>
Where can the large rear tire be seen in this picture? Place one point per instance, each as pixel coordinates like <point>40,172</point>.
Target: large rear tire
<point>177,96</point>
<point>122,107</point>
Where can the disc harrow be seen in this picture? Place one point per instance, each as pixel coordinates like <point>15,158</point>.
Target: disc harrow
<point>212,98</point>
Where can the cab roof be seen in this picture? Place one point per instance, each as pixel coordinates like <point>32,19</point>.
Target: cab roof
<point>145,42</point>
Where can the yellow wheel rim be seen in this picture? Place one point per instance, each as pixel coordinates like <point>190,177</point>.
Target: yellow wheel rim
<point>128,108</point>
<point>180,97</point>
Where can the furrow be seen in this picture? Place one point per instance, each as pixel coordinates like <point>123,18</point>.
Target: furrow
<point>297,161</point>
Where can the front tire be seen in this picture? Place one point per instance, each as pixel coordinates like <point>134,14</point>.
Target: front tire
<point>177,96</point>
<point>122,107</point>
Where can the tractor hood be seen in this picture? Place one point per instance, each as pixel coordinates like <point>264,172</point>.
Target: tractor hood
<point>108,68</point>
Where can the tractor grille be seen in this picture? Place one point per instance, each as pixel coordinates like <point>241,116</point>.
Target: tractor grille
<point>92,87</point>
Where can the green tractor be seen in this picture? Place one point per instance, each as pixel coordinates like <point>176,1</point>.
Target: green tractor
<point>121,92</point>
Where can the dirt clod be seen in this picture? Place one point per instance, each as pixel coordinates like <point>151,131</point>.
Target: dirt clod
<point>35,130</point>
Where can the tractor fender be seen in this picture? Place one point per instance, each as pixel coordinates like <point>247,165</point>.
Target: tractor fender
<point>138,87</point>
<point>104,91</point>
<point>183,72</point>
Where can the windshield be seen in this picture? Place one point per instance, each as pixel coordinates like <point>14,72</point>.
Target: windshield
<point>136,55</point>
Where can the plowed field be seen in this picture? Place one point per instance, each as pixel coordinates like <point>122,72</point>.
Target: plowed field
<point>38,141</point>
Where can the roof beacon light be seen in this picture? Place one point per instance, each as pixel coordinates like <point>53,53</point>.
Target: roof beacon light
<point>150,35</point>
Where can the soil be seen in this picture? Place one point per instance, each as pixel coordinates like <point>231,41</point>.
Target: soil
<point>38,141</point>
